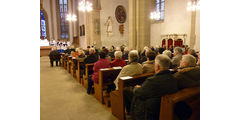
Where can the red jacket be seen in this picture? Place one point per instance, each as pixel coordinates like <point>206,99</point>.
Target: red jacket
<point>118,62</point>
<point>102,63</point>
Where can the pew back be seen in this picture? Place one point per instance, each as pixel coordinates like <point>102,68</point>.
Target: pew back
<point>88,71</point>
<point>191,96</point>
<point>106,77</point>
<point>118,106</point>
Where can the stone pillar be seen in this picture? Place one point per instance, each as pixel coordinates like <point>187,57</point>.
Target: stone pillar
<point>192,33</point>
<point>139,23</point>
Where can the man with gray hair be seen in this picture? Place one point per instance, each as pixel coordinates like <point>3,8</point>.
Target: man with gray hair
<point>168,53</point>
<point>149,93</point>
<point>188,74</point>
<point>133,68</point>
<point>177,53</point>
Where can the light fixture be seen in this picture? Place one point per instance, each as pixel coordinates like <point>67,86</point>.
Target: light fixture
<point>155,15</point>
<point>193,5</point>
<point>85,6</point>
<point>71,17</point>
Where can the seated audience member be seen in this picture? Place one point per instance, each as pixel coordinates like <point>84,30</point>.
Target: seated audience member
<point>177,57</point>
<point>101,63</point>
<point>92,57</point>
<point>111,52</point>
<point>168,53</point>
<point>148,66</point>
<point>144,57</point>
<point>186,50</point>
<point>87,50</point>
<point>188,74</point>
<point>193,53</point>
<point>54,56</point>
<point>133,68</point>
<point>105,50</point>
<point>76,52</point>
<point>81,57</point>
<point>118,60</point>
<point>198,62</point>
<point>171,48</point>
<point>125,54</point>
<point>81,54</point>
<point>161,49</point>
<point>146,98</point>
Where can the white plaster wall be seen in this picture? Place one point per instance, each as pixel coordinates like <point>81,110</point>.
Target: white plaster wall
<point>177,20</point>
<point>108,9</point>
<point>81,21</point>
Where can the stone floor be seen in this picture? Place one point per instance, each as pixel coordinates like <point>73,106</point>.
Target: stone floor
<point>63,98</point>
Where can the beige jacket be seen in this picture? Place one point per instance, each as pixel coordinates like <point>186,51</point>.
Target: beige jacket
<point>148,66</point>
<point>129,70</point>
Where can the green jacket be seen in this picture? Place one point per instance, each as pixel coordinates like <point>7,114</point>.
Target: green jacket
<point>188,77</point>
<point>147,99</point>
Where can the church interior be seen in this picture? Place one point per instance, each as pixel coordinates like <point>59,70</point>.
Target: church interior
<point>120,59</point>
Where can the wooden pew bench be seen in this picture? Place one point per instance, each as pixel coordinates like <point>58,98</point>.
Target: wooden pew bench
<point>88,71</point>
<point>69,64</point>
<point>106,77</point>
<point>191,96</point>
<point>117,103</point>
<point>79,71</point>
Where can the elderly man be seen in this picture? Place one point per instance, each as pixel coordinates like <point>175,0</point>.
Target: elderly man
<point>148,66</point>
<point>54,56</point>
<point>188,74</point>
<point>146,98</point>
<point>133,68</point>
<point>177,57</point>
<point>168,53</point>
<point>92,57</point>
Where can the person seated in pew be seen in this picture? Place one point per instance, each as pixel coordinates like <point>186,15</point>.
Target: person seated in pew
<point>148,66</point>
<point>193,53</point>
<point>105,50</point>
<point>198,61</point>
<point>177,57</point>
<point>143,101</point>
<point>143,57</point>
<point>100,64</point>
<point>87,50</point>
<point>54,56</point>
<point>168,53</point>
<point>81,57</point>
<point>188,74</point>
<point>118,60</point>
<point>133,68</point>
<point>125,54</point>
<point>92,57</point>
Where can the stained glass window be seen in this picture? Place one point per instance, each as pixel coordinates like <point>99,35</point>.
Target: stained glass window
<point>160,7</point>
<point>43,33</point>
<point>63,10</point>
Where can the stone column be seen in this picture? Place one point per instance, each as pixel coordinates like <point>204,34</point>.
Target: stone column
<point>192,33</point>
<point>139,23</point>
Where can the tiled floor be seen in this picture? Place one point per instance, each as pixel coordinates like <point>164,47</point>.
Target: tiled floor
<point>63,98</point>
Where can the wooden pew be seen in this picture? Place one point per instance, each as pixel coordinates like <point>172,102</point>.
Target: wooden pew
<point>106,77</point>
<point>117,103</point>
<point>88,68</point>
<point>72,67</point>
<point>65,61</point>
<point>189,95</point>
<point>68,63</point>
<point>79,71</point>
<point>62,59</point>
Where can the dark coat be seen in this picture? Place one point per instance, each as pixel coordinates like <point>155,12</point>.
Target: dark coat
<point>91,59</point>
<point>188,77</point>
<point>147,99</point>
<point>54,55</point>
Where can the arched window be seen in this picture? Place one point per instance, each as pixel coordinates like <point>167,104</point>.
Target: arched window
<point>62,22</point>
<point>160,7</point>
<point>43,30</point>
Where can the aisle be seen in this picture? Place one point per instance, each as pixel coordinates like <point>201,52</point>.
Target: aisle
<point>63,98</point>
